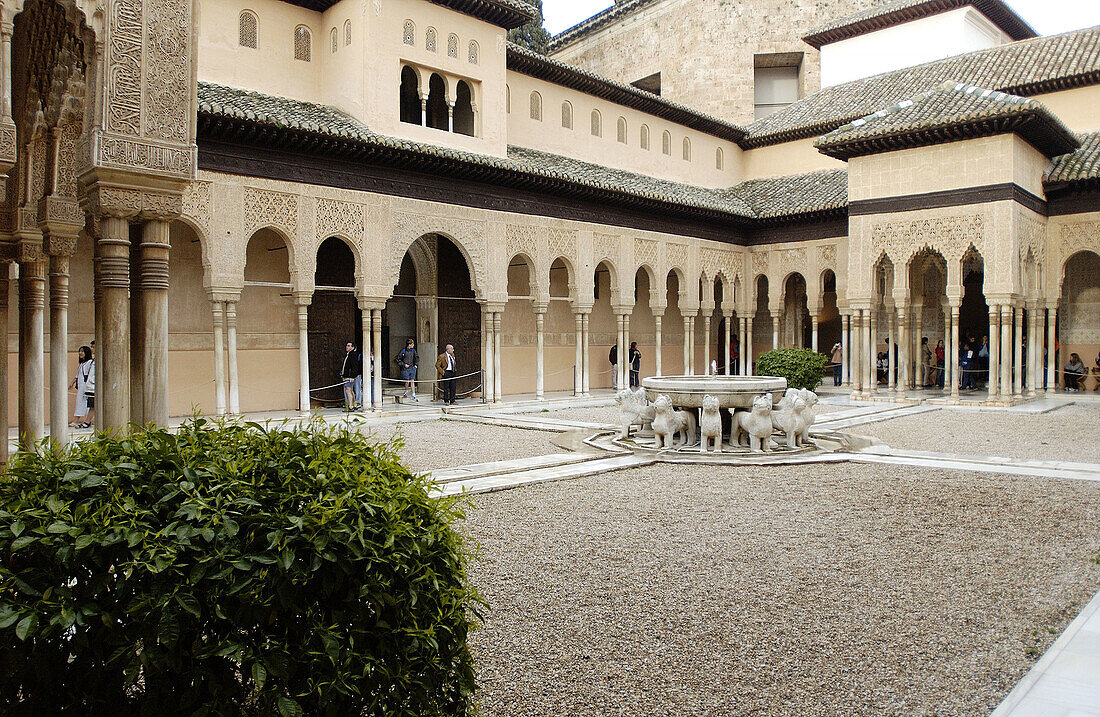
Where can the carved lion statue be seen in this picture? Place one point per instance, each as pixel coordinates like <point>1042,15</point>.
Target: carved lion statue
<point>710,425</point>
<point>789,418</point>
<point>634,409</point>
<point>810,399</point>
<point>668,422</point>
<point>756,424</point>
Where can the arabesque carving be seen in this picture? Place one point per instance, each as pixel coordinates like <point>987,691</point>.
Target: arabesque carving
<point>168,70</point>
<point>950,236</point>
<point>336,217</point>
<point>124,67</point>
<point>264,208</point>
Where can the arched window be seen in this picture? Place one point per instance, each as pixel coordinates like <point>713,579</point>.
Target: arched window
<point>347,32</point>
<point>666,143</point>
<point>249,30</point>
<point>464,109</point>
<point>303,43</point>
<point>473,57</point>
<point>566,115</point>
<point>597,124</point>
<point>333,40</point>
<point>452,45</point>
<point>429,40</point>
<point>687,149</point>
<point>409,36</point>
<point>536,106</point>
<point>644,139</point>
<point>620,130</point>
<point>719,160</point>
<point>437,102</point>
<point>410,96</point>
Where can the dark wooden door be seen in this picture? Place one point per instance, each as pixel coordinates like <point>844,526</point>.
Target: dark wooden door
<point>333,320</point>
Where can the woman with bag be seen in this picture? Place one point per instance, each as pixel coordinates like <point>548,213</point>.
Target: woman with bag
<point>84,382</point>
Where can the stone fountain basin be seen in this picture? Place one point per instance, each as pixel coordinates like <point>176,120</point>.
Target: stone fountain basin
<point>732,391</point>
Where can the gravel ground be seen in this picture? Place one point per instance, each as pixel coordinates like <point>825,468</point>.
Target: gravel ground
<point>1070,433</point>
<point>446,444</point>
<point>868,590</point>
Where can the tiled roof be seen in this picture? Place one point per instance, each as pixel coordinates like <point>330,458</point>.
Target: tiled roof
<point>899,11</point>
<point>1028,67</point>
<point>795,195</point>
<point>520,59</point>
<point>505,13</point>
<point>949,112</point>
<point>1079,167</point>
<point>765,199</point>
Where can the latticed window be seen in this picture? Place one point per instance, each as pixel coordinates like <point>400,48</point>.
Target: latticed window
<point>452,46</point>
<point>249,29</point>
<point>473,53</point>
<point>687,149</point>
<point>409,37</point>
<point>303,43</point>
<point>536,106</point>
<point>597,124</point>
<point>347,32</point>
<point>566,115</point>
<point>666,143</point>
<point>620,131</point>
<point>332,38</point>
<point>719,160</point>
<point>429,40</point>
<point>644,137</point>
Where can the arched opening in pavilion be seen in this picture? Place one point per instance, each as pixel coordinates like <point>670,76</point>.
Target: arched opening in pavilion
<point>267,331</point>
<point>1078,326</point>
<point>334,320</point>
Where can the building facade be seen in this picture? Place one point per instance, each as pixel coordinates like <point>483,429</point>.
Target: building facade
<point>223,193</point>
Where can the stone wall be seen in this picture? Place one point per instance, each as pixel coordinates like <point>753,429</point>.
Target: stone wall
<point>704,49</point>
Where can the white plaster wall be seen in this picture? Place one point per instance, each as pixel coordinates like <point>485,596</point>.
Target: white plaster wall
<point>912,43</point>
<point>548,135</point>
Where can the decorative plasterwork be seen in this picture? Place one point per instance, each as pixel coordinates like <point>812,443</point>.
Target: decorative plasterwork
<point>265,208</point>
<point>467,234</point>
<point>950,236</point>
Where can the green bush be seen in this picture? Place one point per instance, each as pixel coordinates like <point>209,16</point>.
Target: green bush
<point>803,368</point>
<point>231,570</point>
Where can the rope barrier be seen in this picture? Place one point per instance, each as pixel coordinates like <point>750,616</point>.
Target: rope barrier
<point>427,380</point>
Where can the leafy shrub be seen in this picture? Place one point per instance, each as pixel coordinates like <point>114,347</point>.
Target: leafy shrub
<point>230,570</point>
<point>803,368</point>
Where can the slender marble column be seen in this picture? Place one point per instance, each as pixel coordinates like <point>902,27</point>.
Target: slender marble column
<point>32,302</point>
<point>845,348</point>
<point>891,339</point>
<point>1052,324</point>
<point>540,352</point>
<point>750,337</point>
<point>59,348</point>
<point>626,348</point>
<point>218,309</point>
<point>498,377</point>
<point>586,375</point>
<point>1033,343</point>
<point>869,374</point>
<point>706,345</point>
<point>376,343</point>
<point>5,70</point>
<point>948,375</point>
<point>726,358</point>
<point>366,350</point>
<point>994,384</point>
<point>955,352</point>
<point>154,306</point>
<point>1018,354</point>
<point>4,408</point>
<point>231,345</point>
<point>657,319</point>
<point>687,346</point>
<point>113,360</point>
<point>578,361</point>
<point>1006,351</point>
<point>620,351</point>
<point>814,323</point>
<point>775,329</point>
<point>918,355</point>
<point>901,384</point>
<point>303,302</point>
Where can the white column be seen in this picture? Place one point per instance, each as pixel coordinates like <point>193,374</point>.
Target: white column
<point>4,327</point>
<point>775,329</point>
<point>578,361</point>
<point>891,339</point>
<point>994,384</point>
<point>706,343</point>
<point>540,349</point>
<point>1006,351</point>
<point>376,343</point>
<point>586,374</point>
<point>1018,354</point>
<point>687,346</point>
<point>498,377</point>
<point>1052,323</point>
<point>814,327</point>
<point>32,303</point>
<point>728,346</point>
<point>1033,343</point>
<point>304,404</point>
<point>845,348</point>
<point>918,355</point>
<point>901,384</point>
<point>231,340</point>
<point>750,335</point>
<point>59,346</point>
<point>218,309</point>
<point>954,351</point>
<point>154,321</point>
<point>5,72</point>
<point>657,319</point>
<point>870,372</point>
<point>949,376</point>
<point>691,345</point>
<point>620,350</point>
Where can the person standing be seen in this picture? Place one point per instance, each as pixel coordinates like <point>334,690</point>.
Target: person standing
<point>407,361</point>
<point>983,359</point>
<point>941,367</point>
<point>446,366</point>
<point>926,364</point>
<point>613,357</point>
<point>352,374</point>
<point>85,388</point>
<point>836,357</point>
<point>735,356</point>
<point>1074,372</point>
<point>370,382</point>
<point>635,364</point>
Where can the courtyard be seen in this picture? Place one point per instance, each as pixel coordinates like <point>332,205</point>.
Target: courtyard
<point>824,588</point>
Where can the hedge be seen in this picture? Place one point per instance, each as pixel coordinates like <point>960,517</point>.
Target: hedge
<point>803,368</point>
<point>231,569</point>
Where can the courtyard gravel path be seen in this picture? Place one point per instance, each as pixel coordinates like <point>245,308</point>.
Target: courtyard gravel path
<point>822,590</point>
<point>1070,433</point>
<point>446,444</point>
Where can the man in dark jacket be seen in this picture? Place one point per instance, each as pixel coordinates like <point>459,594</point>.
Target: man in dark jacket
<point>352,373</point>
<point>613,357</point>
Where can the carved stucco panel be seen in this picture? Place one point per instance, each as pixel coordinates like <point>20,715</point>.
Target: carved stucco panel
<point>676,257</point>
<point>1077,237</point>
<point>467,234</point>
<point>124,67</point>
<point>951,236</point>
<point>265,208</point>
<point>196,205</point>
<point>340,218</point>
<point>168,70</point>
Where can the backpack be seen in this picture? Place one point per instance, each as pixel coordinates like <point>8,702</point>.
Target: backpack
<point>89,380</point>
